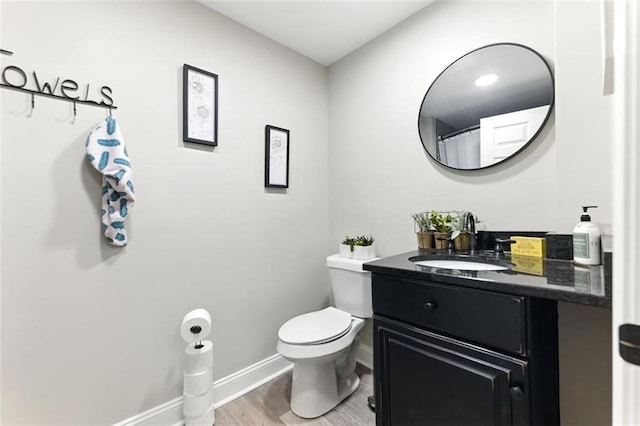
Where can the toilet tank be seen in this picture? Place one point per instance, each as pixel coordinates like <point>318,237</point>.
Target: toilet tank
<point>351,285</point>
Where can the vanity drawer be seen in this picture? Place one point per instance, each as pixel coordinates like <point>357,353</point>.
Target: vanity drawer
<point>493,319</point>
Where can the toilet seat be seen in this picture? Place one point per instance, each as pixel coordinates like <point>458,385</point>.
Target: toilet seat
<point>315,328</point>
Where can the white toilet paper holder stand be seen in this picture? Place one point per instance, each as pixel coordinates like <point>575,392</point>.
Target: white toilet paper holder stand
<point>198,406</point>
<point>196,329</point>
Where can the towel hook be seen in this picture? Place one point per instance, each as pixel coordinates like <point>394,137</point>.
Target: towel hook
<point>33,101</point>
<point>74,109</point>
<point>109,112</point>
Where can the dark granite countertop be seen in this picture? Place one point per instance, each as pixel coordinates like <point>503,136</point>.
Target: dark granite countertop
<point>559,280</point>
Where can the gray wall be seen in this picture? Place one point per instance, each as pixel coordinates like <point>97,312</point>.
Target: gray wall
<point>375,95</point>
<point>380,173</point>
<point>89,332</point>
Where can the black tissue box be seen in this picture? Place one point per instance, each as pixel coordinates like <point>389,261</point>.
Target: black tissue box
<point>559,246</point>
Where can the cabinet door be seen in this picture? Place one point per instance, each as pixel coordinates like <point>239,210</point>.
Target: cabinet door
<point>423,378</point>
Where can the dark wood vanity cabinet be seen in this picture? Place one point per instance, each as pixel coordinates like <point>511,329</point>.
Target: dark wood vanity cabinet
<point>450,355</point>
<point>429,379</point>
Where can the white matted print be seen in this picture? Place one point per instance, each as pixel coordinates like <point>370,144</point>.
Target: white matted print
<point>200,106</point>
<point>276,157</point>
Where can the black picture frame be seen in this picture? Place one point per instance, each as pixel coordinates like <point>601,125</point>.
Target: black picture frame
<point>199,106</point>
<point>276,159</point>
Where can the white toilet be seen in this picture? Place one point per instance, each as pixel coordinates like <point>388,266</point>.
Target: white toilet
<point>322,344</point>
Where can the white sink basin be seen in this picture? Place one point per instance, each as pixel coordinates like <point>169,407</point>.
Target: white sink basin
<point>461,265</point>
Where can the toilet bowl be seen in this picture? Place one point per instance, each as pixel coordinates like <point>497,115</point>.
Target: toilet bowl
<point>322,345</point>
<point>323,366</point>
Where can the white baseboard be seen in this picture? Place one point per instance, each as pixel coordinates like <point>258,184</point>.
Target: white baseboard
<point>364,355</point>
<point>229,388</point>
<point>237,384</point>
<point>167,414</point>
<point>225,390</point>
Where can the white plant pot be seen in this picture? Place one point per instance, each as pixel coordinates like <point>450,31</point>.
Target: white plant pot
<point>345,251</point>
<point>364,252</point>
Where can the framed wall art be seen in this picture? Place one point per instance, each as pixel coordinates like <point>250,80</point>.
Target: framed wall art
<point>199,106</point>
<point>276,170</point>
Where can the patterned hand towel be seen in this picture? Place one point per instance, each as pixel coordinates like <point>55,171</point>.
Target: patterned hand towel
<point>107,153</point>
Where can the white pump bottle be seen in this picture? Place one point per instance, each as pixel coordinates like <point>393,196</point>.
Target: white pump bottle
<point>586,240</point>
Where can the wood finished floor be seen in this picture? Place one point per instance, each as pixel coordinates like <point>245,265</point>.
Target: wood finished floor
<point>269,405</point>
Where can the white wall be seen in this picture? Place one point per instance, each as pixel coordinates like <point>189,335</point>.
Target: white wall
<point>90,332</point>
<point>583,124</point>
<point>380,173</point>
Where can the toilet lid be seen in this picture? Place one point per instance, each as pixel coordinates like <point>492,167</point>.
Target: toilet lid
<point>315,327</point>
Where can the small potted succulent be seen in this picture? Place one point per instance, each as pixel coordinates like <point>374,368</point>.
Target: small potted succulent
<point>422,227</point>
<point>442,225</point>
<point>364,248</point>
<point>361,247</point>
<point>460,235</point>
<point>346,247</point>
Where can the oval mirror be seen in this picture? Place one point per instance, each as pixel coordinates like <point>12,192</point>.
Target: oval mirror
<point>486,107</point>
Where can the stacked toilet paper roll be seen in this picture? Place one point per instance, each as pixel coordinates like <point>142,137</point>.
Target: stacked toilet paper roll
<point>196,325</point>
<point>198,403</point>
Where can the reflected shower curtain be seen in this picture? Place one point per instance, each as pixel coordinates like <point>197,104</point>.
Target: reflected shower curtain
<point>461,151</point>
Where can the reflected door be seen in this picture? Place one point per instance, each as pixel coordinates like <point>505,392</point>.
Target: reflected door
<point>503,135</point>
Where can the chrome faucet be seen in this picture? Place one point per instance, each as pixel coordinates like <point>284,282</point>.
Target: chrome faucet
<point>469,223</point>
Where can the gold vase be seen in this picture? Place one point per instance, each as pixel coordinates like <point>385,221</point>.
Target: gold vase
<point>461,242</point>
<point>441,241</point>
<point>425,239</point>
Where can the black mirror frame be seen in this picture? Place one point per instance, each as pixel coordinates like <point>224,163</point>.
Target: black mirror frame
<point>535,135</point>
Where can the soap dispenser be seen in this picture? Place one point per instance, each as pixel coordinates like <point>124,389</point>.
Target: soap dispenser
<point>586,240</point>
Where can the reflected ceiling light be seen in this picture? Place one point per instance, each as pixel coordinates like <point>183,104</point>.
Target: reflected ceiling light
<point>486,80</point>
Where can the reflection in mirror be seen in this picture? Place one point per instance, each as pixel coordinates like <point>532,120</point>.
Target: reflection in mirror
<point>486,106</point>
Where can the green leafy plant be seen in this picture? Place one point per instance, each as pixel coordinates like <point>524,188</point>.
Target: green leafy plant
<point>422,220</point>
<point>457,224</point>
<point>441,223</point>
<point>364,241</point>
<point>358,241</point>
<point>349,242</point>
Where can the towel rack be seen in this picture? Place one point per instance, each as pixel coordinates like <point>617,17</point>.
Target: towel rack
<point>50,95</point>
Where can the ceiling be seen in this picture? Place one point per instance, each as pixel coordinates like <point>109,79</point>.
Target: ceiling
<point>323,30</point>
